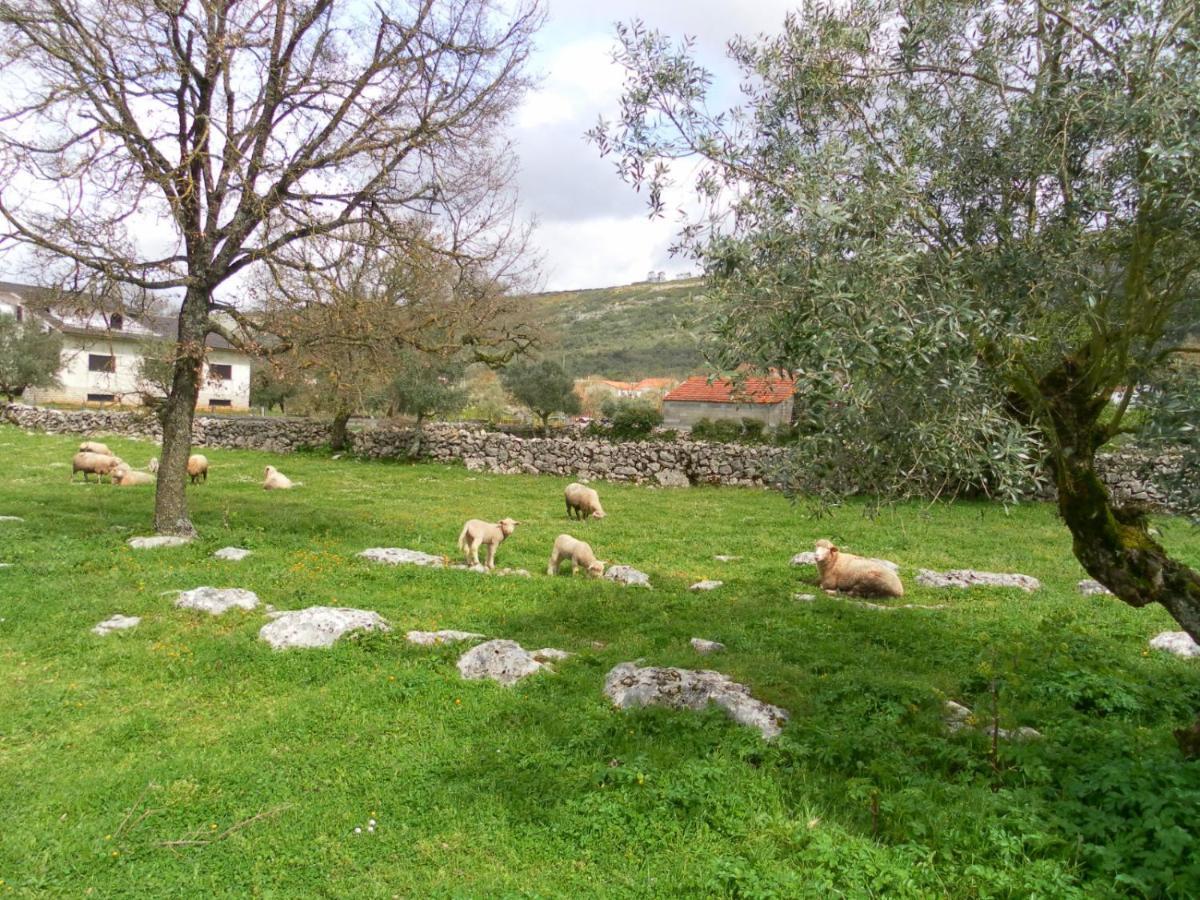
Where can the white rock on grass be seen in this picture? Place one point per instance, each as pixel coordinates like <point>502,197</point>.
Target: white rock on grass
<point>506,662</point>
<point>158,540</point>
<point>116,623</point>
<point>446,636</point>
<point>1178,642</point>
<point>216,601</point>
<point>725,557</point>
<point>318,626</point>
<point>804,598</point>
<point>627,575</point>
<point>399,556</point>
<point>232,554</point>
<point>706,585</point>
<point>11,519</point>
<point>700,645</point>
<point>809,558</point>
<point>968,578</point>
<point>1090,587</point>
<point>481,569</point>
<point>957,717</point>
<point>629,685</point>
<point>672,478</point>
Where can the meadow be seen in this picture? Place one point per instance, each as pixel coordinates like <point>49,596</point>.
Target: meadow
<point>186,758</point>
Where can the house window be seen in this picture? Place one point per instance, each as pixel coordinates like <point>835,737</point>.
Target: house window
<point>98,363</point>
<point>100,398</point>
<point>116,322</point>
<point>220,372</point>
<point>20,313</point>
<point>219,404</point>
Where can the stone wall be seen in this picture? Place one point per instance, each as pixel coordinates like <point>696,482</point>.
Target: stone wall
<point>1129,472</point>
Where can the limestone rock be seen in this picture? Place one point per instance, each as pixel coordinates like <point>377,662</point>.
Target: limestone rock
<point>672,478</point>
<point>966,578</point>
<point>504,661</point>
<point>548,654</point>
<point>957,717</point>
<point>318,626</point>
<point>158,540</point>
<point>627,575</point>
<point>116,623</point>
<point>629,685</point>
<point>216,601</point>
<point>804,598</point>
<point>399,556</point>
<point>446,636</point>
<point>1178,642</point>
<point>706,585</point>
<point>11,519</point>
<point>232,554</point>
<point>1090,588</point>
<point>700,645</point>
<point>722,557</point>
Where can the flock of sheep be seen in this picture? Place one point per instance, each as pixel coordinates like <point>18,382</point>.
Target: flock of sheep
<point>839,571</point>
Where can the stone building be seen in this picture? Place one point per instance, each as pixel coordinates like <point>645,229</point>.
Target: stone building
<point>767,399</point>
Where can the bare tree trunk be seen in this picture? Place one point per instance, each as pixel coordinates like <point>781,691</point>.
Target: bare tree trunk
<point>339,434</point>
<point>178,410</point>
<point>418,433</point>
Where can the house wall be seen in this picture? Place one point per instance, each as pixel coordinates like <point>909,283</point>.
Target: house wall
<point>686,413</point>
<point>236,389</point>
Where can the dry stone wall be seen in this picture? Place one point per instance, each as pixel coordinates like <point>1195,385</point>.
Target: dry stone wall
<point>1129,472</point>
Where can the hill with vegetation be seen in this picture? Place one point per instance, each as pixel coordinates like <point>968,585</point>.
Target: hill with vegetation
<point>642,330</point>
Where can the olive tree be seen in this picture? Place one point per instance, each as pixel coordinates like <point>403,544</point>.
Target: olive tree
<point>543,387</point>
<point>963,225</point>
<point>30,356</point>
<point>235,129</point>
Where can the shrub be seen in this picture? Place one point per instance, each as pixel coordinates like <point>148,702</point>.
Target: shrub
<point>633,418</point>
<point>752,429</point>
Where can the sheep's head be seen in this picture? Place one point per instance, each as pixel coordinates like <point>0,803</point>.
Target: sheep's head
<point>826,552</point>
<point>596,569</point>
<point>507,526</point>
<point>597,513</point>
<point>268,471</point>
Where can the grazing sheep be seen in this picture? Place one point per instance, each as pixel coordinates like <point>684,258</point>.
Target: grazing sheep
<point>855,575</point>
<point>94,447</point>
<point>584,501</point>
<point>476,533</point>
<point>123,476</point>
<point>152,466</point>
<point>580,554</point>
<point>197,467</point>
<point>96,463</point>
<point>274,480</point>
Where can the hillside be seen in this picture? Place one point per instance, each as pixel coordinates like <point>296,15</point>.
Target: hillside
<point>634,331</point>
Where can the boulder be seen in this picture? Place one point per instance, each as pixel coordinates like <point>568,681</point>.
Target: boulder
<point>706,585</point>
<point>700,645</point>
<point>158,540</point>
<point>627,575</point>
<point>629,685</point>
<point>216,601</point>
<point>967,578</point>
<point>399,556</point>
<point>447,636</point>
<point>1178,642</point>
<point>232,554</point>
<point>672,478</point>
<point>116,623</point>
<point>318,626</point>
<point>506,662</point>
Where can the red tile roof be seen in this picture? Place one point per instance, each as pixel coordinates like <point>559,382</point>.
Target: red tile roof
<point>721,390</point>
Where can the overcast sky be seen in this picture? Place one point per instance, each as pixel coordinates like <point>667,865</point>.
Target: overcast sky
<point>593,229</point>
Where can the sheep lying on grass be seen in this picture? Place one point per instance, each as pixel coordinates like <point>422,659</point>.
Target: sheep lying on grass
<point>197,467</point>
<point>274,480</point>
<point>123,476</point>
<point>94,463</point>
<point>854,575</point>
<point>578,552</point>
<point>583,501</point>
<point>476,533</point>
<point>94,447</point>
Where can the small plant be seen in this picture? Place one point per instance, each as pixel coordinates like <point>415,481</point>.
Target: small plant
<point>632,419</point>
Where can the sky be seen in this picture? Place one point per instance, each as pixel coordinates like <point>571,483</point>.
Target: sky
<point>593,230</point>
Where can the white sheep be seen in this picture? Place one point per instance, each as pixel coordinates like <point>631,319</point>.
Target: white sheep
<point>94,447</point>
<point>152,466</point>
<point>854,574</point>
<point>475,533</point>
<point>584,501</point>
<point>197,467</point>
<point>96,463</point>
<point>123,476</point>
<point>578,552</point>
<point>274,480</point>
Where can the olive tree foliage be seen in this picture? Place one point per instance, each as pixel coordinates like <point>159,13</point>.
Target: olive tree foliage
<point>962,225</point>
<point>230,130</point>
<point>30,356</point>
<point>541,386</point>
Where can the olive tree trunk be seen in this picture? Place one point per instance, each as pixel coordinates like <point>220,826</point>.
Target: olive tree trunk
<point>339,433</point>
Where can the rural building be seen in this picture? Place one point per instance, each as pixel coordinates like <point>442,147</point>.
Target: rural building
<point>102,353</point>
<point>767,399</point>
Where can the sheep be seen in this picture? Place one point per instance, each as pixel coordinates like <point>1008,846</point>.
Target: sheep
<point>94,447</point>
<point>584,501</point>
<point>96,463</point>
<point>197,467</point>
<point>476,533</point>
<point>274,480</point>
<point>580,554</point>
<point>123,476</point>
<point>152,466</point>
<point>854,574</point>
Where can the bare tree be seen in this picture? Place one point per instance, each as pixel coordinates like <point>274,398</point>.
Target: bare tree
<point>237,128</point>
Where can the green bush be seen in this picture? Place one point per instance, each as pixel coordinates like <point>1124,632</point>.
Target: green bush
<point>632,418</point>
<point>702,429</point>
<point>752,429</point>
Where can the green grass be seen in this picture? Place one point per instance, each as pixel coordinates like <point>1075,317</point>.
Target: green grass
<point>188,727</point>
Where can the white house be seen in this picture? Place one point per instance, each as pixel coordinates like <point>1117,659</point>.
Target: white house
<point>102,353</point>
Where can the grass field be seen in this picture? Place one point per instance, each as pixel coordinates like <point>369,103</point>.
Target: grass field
<point>184,758</point>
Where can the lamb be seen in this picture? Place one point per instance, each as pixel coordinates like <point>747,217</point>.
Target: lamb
<point>476,533</point>
<point>94,447</point>
<point>197,467</point>
<point>274,480</point>
<point>580,554</point>
<point>97,463</point>
<point>123,476</point>
<point>855,575</point>
<point>584,501</point>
